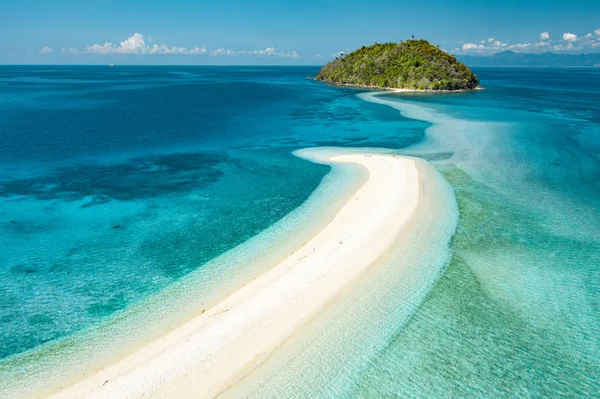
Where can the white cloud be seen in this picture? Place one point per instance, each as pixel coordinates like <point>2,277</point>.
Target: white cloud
<point>521,46</point>
<point>106,48</point>
<point>46,50</point>
<point>565,47</point>
<point>566,42</point>
<point>290,54</point>
<point>472,47</point>
<point>590,39</point>
<point>164,49</point>
<point>270,51</point>
<point>138,44</point>
<point>198,50</point>
<point>492,44</point>
<point>135,44</point>
<point>267,51</point>
<point>222,51</point>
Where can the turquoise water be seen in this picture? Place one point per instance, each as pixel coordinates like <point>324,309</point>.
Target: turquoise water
<point>517,312</point>
<point>119,184</point>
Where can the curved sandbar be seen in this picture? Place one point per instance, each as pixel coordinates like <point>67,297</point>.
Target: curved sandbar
<point>211,352</point>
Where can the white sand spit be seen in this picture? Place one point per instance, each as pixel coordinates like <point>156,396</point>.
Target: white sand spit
<point>209,353</point>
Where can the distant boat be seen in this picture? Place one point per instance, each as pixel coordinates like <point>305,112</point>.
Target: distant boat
<point>111,64</point>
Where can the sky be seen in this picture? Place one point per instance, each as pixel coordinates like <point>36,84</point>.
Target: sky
<point>227,32</point>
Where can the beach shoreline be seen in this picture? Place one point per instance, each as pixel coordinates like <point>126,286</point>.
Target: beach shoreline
<point>397,89</point>
<point>211,352</point>
<point>63,362</point>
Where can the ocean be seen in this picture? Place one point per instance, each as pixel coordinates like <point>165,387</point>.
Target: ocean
<point>129,194</point>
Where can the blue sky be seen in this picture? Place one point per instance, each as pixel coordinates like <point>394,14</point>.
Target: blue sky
<point>282,32</point>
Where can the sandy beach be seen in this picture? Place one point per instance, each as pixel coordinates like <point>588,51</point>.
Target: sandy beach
<point>217,348</point>
<point>400,90</point>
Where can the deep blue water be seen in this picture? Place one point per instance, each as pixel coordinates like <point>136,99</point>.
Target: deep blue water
<point>116,182</point>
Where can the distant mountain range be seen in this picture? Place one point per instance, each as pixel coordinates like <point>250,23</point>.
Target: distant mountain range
<point>510,58</point>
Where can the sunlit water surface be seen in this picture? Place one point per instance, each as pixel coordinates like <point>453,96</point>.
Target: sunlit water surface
<point>118,186</point>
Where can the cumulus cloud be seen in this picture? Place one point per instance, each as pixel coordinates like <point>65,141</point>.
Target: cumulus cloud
<point>222,51</point>
<point>472,47</point>
<point>164,49</point>
<point>135,44</point>
<point>588,40</point>
<point>566,42</point>
<point>46,50</point>
<point>270,51</point>
<point>521,46</point>
<point>565,47</point>
<point>490,44</point>
<point>198,50</point>
<point>138,44</point>
<point>572,42</point>
<point>106,48</point>
<point>267,51</point>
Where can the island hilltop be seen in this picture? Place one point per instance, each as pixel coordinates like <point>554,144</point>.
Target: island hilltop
<point>412,64</point>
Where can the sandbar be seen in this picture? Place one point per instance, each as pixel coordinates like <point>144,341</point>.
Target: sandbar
<point>217,348</point>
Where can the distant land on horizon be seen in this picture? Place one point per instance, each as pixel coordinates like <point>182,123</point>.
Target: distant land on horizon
<point>512,59</point>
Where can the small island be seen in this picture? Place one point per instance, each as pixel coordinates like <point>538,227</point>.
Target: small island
<point>411,64</point>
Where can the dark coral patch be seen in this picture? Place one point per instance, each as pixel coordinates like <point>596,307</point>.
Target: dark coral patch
<point>24,268</point>
<point>138,178</point>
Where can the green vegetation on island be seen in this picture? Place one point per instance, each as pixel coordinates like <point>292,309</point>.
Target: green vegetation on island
<point>412,64</point>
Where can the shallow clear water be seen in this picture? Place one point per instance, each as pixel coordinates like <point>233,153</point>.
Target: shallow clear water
<point>117,182</point>
<point>517,311</point>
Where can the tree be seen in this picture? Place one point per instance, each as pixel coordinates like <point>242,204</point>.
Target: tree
<point>408,64</point>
